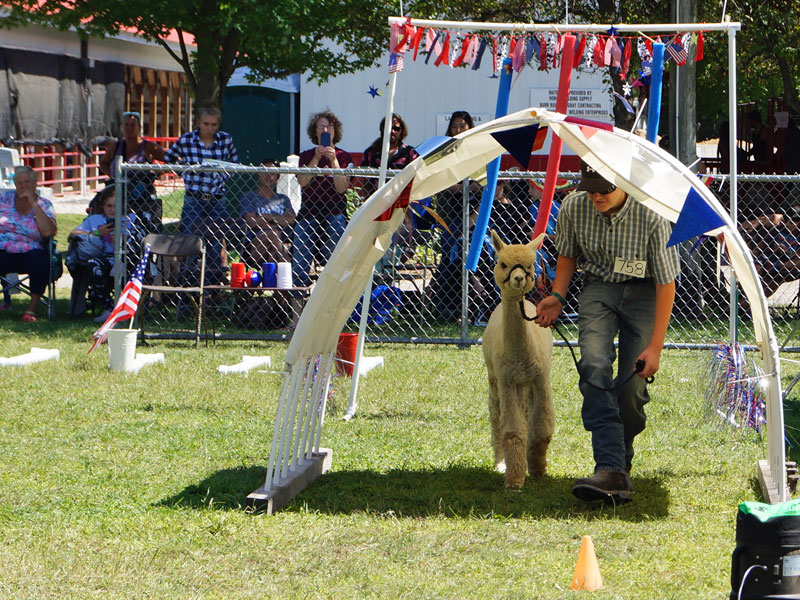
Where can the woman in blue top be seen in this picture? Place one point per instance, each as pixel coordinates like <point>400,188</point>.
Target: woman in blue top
<point>94,248</point>
<point>269,217</point>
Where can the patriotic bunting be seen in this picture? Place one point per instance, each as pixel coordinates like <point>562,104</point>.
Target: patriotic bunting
<point>608,49</point>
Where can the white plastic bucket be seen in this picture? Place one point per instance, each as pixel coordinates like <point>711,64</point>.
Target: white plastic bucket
<point>122,348</point>
<point>284,275</point>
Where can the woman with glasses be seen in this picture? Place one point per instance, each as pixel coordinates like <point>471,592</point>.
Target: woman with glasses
<point>140,189</point>
<point>323,211</point>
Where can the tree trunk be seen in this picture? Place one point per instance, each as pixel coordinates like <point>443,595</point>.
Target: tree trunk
<point>789,93</point>
<point>683,94</point>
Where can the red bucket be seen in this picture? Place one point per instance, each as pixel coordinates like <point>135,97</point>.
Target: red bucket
<point>346,353</point>
<point>237,274</point>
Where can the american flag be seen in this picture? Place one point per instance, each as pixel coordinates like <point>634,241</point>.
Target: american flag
<point>678,53</point>
<point>128,302</point>
<point>395,62</point>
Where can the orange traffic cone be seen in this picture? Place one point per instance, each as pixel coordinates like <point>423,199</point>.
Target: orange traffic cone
<point>587,572</point>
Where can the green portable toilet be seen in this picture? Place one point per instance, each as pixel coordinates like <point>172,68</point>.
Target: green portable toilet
<point>261,118</point>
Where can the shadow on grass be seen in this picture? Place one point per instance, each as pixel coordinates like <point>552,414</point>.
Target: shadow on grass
<point>226,489</point>
<point>452,492</point>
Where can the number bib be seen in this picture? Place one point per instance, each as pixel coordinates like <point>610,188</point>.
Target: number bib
<point>632,268</point>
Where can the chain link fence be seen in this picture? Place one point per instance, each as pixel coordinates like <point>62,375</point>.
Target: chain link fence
<point>421,293</point>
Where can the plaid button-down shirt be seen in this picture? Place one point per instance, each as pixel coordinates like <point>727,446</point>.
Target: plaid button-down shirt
<point>633,233</point>
<point>189,149</point>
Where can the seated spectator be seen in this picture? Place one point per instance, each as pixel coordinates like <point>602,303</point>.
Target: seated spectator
<point>26,219</point>
<point>269,217</point>
<point>723,149</point>
<point>774,241</point>
<point>140,196</point>
<point>94,248</point>
<point>204,207</point>
<point>400,155</point>
<point>446,288</point>
<point>759,137</point>
<point>323,212</point>
<point>510,217</point>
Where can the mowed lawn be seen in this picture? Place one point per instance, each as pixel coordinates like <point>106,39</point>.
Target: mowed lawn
<point>133,486</point>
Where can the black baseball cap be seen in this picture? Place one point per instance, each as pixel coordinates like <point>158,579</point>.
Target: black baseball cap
<point>593,182</point>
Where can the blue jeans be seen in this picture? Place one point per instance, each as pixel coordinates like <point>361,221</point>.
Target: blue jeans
<point>204,218</point>
<point>314,236</point>
<point>614,418</point>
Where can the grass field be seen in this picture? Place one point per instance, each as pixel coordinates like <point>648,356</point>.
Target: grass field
<point>116,486</point>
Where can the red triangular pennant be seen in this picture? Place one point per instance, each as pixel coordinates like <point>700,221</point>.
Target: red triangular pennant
<point>579,52</point>
<point>417,39</point>
<point>401,202</point>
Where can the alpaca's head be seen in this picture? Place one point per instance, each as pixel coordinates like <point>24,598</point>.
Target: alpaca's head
<point>514,270</point>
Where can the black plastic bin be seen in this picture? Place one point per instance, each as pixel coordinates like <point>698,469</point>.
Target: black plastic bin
<point>767,539</point>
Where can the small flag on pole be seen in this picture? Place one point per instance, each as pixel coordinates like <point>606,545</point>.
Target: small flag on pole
<point>677,53</point>
<point>624,101</point>
<point>128,302</point>
<point>395,62</point>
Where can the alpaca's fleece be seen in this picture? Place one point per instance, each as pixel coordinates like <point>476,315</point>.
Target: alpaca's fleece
<point>518,355</point>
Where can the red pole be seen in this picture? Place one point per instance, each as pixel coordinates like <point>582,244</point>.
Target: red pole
<point>554,160</point>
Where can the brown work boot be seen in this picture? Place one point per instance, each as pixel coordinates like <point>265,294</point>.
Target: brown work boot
<point>609,486</point>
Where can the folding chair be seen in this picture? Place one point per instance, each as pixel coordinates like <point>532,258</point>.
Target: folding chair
<point>163,248</point>
<point>81,278</point>
<point>21,281</point>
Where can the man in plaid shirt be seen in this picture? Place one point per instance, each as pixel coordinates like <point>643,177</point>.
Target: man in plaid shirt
<point>204,200</point>
<point>628,291</point>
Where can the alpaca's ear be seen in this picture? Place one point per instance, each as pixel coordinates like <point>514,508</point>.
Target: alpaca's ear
<point>497,242</point>
<point>534,244</point>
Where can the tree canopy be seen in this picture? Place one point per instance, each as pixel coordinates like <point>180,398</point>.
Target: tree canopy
<point>273,39</point>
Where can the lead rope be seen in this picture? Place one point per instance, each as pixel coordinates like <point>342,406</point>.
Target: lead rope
<point>639,363</point>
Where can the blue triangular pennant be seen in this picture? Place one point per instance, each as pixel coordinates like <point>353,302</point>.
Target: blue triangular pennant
<point>476,64</point>
<point>518,143</point>
<point>529,49</point>
<point>533,48</point>
<point>696,218</point>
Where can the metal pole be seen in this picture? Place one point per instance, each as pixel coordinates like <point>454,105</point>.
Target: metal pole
<point>733,168</point>
<point>119,270</point>
<point>464,273</point>
<point>365,301</point>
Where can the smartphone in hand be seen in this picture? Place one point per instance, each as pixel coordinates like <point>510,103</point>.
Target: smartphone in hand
<point>325,138</point>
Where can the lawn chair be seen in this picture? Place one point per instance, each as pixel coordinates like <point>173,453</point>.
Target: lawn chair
<point>13,283</point>
<point>163,249</point>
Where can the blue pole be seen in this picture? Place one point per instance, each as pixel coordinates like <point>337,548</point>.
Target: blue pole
<point>654,110</point>
<point>492,169</point>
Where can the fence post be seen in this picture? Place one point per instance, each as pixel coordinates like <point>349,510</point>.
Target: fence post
<point>465,209</point>
<point>58,171</point>
<point>119,257</point>
<point>82,162</point>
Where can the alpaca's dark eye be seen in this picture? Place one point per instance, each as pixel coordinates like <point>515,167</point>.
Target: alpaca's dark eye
<point>503,265</point>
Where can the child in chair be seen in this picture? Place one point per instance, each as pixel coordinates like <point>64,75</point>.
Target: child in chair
<point>94,247</point>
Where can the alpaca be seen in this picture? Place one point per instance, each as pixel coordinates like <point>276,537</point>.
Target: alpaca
<point>518,356</point>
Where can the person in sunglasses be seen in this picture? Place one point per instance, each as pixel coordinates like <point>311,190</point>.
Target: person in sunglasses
<point>140,189</point>
<point>400,155</point>
<point>628,291</point>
